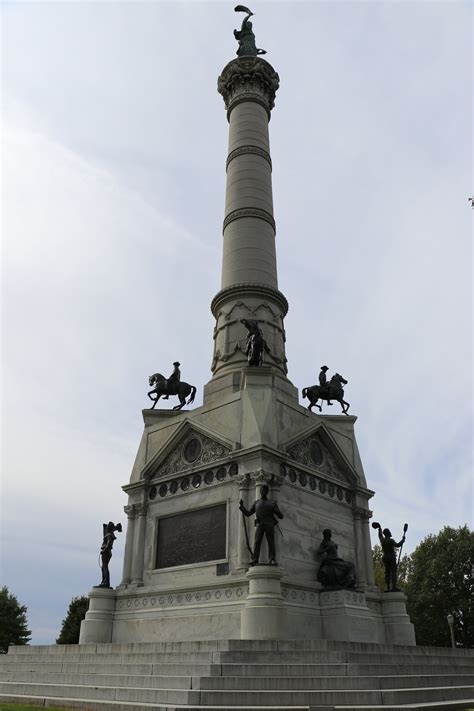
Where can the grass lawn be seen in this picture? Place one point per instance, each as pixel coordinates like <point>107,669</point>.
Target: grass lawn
<point>24,707</point>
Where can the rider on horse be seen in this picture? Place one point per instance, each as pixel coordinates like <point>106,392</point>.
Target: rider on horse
<point>174,378</point>
<point>324,383</point>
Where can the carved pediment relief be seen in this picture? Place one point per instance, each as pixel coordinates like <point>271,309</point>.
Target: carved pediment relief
<point>193,449</point>
<point>316,453</point>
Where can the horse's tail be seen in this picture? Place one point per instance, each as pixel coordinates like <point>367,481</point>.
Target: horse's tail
<point>193,393</point>
<point>304,393</point>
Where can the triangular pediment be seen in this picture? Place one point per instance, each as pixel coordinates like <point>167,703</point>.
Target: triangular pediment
<point>189,447</point>
<point>316,449</point>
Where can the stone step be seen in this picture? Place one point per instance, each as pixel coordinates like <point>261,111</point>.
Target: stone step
<point>298,670</point>
<point>330,656</point>
<point>122,658</point>
<point>101,693</point>
<point>127,706</point>
<point>122,669</point>
<point>329,682</point>
<point>238,682</point>
<point>236,645</point>
<point>97,679</point>
<point>92,705</point>
<point>232,698</point>
<point>335,697</point>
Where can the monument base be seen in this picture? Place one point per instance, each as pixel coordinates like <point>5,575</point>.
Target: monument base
<point>262,604</point>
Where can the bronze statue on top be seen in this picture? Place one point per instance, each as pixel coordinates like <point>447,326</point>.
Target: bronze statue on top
<point>106,551</point>
<point>334,572</point>
<point>171,386</point>
<point>327,391</point>
<point>389,555</point>
<point>256,344</point>
<point>245,36</point>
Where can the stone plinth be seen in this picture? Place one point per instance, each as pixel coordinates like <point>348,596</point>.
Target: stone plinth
<point>346,616</point>
<point>398,628</point>
<point>264,615</point>
<point>98,623</point>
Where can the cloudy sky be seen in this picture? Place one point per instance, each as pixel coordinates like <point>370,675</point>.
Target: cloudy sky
<point>113,179</point>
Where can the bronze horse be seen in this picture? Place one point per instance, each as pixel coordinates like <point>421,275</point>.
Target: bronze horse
<point>332,391</point>
<point>181,389</point>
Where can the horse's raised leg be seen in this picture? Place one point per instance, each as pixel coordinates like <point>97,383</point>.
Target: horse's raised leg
<point>155,399</point>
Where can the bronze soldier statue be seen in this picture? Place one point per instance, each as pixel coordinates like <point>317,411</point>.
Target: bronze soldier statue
<point>389,555</point>
<point>173,380</point>
<point>323,382</point>
<point>266,513</point>
<point>106,551</point>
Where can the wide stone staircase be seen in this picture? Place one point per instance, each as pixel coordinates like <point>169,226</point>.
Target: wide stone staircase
<point>237,675</point>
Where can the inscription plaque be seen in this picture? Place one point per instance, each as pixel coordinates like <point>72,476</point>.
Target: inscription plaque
<point>192,537</point>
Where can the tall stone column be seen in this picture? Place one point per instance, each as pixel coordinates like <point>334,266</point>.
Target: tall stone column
<point>128,553</point>
<point>139,545</point>
<point>249,286</point>
<point>369,572</point>
<point>361,553</point>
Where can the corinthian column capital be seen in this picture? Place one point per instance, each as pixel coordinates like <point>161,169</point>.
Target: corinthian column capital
<point>248,79</point>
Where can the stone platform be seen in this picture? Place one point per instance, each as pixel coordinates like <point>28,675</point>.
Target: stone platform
<point>249,675</point>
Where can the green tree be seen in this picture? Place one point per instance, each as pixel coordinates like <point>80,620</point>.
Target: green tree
<point>71,624</point>
<point>13,622</point>
<point>439,581</point>
<point>379,569</point>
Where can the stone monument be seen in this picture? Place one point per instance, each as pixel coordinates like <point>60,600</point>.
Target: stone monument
<point>186,573</point>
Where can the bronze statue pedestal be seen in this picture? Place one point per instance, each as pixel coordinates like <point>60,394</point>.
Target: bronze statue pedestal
<point>264,615</point>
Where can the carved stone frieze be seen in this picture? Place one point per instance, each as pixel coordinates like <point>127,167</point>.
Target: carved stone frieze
<point>232,593</point>
<point>243,306</point>
<point>249,212</point>
<point>312,453</point>
<point>195,450</point>
<point>253,150</point>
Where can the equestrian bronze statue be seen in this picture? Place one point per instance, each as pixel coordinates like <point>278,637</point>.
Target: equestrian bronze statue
<point>171,386</point>
<point>327,391</point>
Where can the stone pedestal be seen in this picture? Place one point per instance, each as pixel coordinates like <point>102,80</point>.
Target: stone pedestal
<point>398,628</point>
<point>98,623</point>
<point>264,615</point>
<point>346,616</point>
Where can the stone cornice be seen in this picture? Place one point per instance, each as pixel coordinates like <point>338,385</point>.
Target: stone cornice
<point>253,150</point>
<point>238,291</point>
<point>249,212</point>
<point>248,79</point>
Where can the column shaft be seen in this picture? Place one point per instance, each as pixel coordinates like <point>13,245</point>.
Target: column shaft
<point>128,553</point>
<point>138,547</point>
